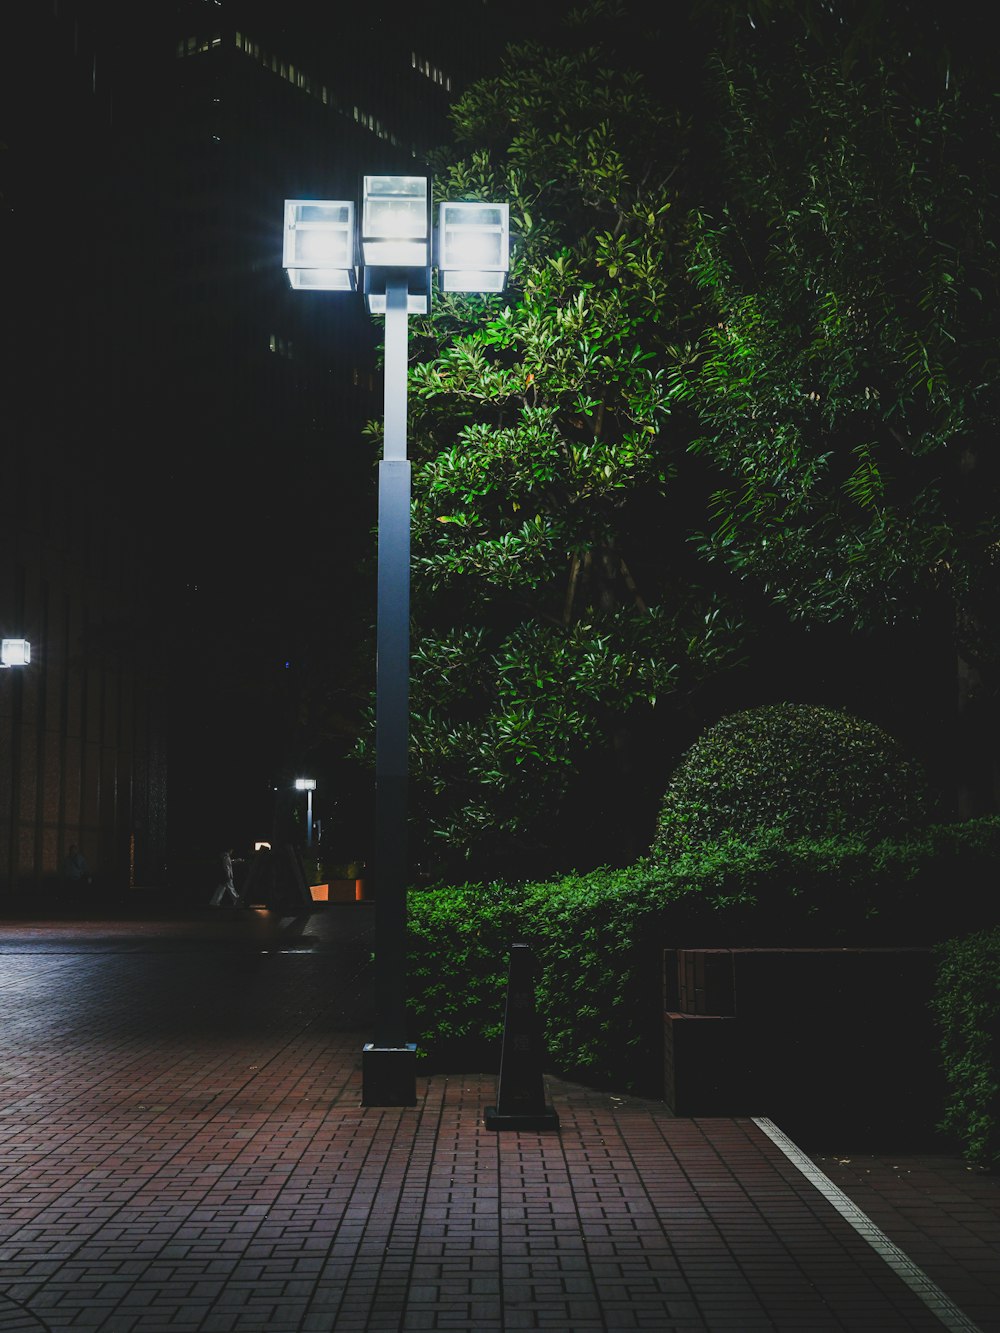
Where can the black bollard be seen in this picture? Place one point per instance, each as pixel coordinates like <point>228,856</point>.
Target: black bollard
<point>520,1090</point>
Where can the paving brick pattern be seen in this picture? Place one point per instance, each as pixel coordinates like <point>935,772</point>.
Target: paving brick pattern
<point>943,1213</point>
<point>183,1150</point>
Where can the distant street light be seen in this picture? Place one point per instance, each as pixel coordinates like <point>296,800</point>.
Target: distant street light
<point>14,653</point>
<point>308,785</point>
<point>321,243</point>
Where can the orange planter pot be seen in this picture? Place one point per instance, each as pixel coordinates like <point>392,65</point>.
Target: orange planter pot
<point>339,891</point>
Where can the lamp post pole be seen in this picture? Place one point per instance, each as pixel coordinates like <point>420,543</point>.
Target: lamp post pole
<point>14,655</point>
<point>392,689</point>
<point>308,785</point>
<point>320,254</point>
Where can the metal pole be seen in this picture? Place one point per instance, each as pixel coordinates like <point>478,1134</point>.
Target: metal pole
<point>309,817</point>
<point>389,1063</point>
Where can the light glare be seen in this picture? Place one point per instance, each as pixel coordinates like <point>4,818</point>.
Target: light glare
<point>395,223</point>
<point>472,280</point>
<point>318,249</point>
<point>473,246</point>
<point>15,652</point>
<point>416,303</point>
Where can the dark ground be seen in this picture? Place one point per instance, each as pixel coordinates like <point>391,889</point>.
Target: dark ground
<point>182,1147</point>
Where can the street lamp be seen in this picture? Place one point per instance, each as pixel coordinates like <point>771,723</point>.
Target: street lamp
<point>393,271</point>
<point>14,653</point>
<point>308,785</point>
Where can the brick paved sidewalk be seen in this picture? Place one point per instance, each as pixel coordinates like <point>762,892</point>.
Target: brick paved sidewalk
<point>944,1214</point>
<point>182,1148</point>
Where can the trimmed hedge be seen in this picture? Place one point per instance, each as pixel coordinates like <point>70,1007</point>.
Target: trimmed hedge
<point>966,1005</point>
<point>598,938</point>
<point>805,770</point>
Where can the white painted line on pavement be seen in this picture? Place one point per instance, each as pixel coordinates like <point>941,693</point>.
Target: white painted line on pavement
<point>915,1278</point>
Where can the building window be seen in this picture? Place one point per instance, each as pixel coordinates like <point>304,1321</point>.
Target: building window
<point>285,70</point>
<point>194,45</point>
<point>430,71</point>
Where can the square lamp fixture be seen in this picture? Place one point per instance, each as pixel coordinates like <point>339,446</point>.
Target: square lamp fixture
<point>15,652</point>
<point>395,222</point>
<point>305,784</point>
<point>395,238</point>
<point>473,247</point>
<point>318,249</point>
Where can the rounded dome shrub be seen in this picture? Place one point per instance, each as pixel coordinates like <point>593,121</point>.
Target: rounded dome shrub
<point>802,769</point>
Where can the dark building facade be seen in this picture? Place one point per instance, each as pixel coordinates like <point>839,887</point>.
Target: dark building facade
<point>187,490</point>
<point>264,447</point>
<point>82,755</point>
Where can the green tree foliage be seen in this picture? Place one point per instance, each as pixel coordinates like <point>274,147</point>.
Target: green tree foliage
<point>941,44</point>
<point>797,769</point>
<point>846,380</point>
<point>599,939</point>
<point>967,1008</point>
<point>550,616</point>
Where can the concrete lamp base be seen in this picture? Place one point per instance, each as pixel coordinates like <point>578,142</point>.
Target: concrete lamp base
<point>389,1075</point>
